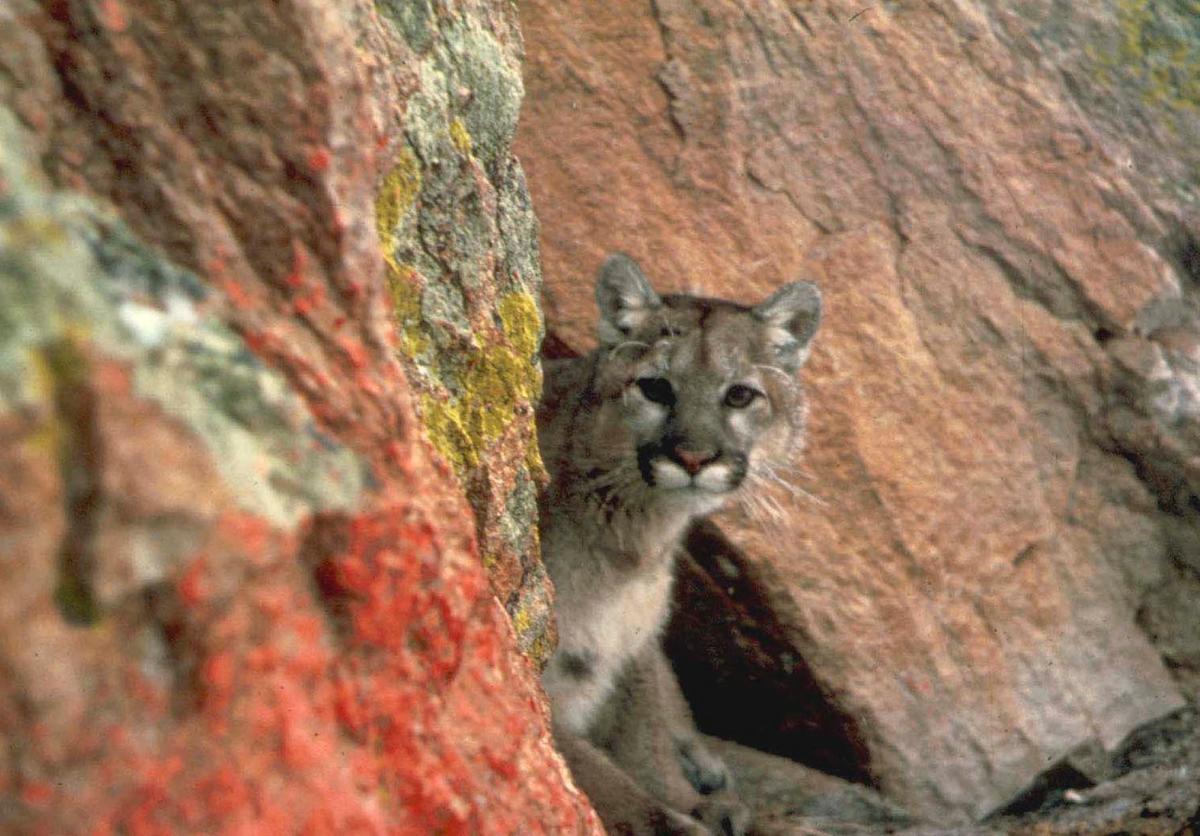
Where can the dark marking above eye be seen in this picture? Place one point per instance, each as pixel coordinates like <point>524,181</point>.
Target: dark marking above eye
<point>657,389</point>
<point>740,397</point>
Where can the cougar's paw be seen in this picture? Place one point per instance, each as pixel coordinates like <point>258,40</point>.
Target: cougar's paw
<point>704,770</point>
<point>724,814</point>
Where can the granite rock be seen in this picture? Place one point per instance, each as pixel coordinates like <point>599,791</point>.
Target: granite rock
<point>986,558</point>
<point>243,591</point>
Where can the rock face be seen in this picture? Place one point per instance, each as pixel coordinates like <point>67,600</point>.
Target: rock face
<point>990,547</point>
<point>460,247</point>
<point>240,590</point>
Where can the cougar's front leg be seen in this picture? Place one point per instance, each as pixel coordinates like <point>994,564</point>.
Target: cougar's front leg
<point>704,770</point>
<point>579,691</point>
<point>623,806</point>
<point>644,730</point>
<point>720,805</point>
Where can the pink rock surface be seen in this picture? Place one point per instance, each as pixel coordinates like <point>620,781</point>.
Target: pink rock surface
<point>994,502</point>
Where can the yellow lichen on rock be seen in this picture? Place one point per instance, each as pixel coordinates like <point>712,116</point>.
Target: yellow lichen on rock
<point>497,381</point>
<point>396,197</point>
<point>447,432</point>
<point>533,459</point>
<point>397,193</point>
<point>405,290</point>
<point>55,368</point>
<point>521,322</point>
<point>1153,49</point>
<point>460,137</point>
<point>48,437</point>
<point>528,624</point>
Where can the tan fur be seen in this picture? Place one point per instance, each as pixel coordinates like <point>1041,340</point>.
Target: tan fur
<point>687,402</point>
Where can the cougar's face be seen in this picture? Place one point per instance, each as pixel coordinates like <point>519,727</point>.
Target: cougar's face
<point>701,388</point>
<point>699,396</point>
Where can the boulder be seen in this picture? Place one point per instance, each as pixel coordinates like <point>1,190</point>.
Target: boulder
<point>988,550</point>
<point>242,589</point>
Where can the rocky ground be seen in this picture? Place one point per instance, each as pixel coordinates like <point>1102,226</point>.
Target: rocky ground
<point>1152,787</point>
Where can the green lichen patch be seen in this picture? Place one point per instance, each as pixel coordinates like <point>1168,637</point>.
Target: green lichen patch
<point>521,504</point>
<point>265,444</point>
<point>521,321</point>
<point>480,64</point>
<point>397,193</point>
<point>1157,46</point>
<point>84,280</point>
<point>405,290</point>
<point>415,19</point>
<point>520,265</point>
<point>498,382</point>
<point>460,137</point>
<point>430,111</point>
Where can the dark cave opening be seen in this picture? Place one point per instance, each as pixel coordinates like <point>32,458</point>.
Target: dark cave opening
<point>743,678</point>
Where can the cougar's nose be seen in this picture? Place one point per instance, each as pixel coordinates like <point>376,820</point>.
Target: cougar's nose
<point>693,460</point>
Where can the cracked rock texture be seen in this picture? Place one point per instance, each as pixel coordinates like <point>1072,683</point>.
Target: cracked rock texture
<point>986,563</point>
<point>242,592</point>
<point>459,243</point>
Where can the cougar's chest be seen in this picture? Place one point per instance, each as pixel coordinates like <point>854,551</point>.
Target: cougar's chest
<point>601,628</point>
<point>632,616</point>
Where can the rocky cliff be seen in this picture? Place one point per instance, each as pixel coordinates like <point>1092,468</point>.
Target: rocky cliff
<point>986,563</point>
<point>269,322</point>
<point>268,332</point>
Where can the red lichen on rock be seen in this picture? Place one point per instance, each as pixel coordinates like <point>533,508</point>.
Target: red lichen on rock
<point>357,677</point>
<point>346,671</point>
<point>113,15</point>
<point>319,159</point>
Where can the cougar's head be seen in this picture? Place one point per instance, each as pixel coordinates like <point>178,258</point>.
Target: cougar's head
<point>702,391</point>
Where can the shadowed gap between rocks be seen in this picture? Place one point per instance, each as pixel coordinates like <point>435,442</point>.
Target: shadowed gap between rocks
<point>743,679</point>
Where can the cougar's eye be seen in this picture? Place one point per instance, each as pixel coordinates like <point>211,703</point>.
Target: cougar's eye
<point>669,331</point>
<point>657,389</point>
<point>740,397</point>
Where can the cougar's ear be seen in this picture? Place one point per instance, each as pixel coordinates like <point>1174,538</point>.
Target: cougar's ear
<point>625,297</point>
<point>791,317</point>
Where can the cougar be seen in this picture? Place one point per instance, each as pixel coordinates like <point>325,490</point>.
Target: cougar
<point>685,403</point>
